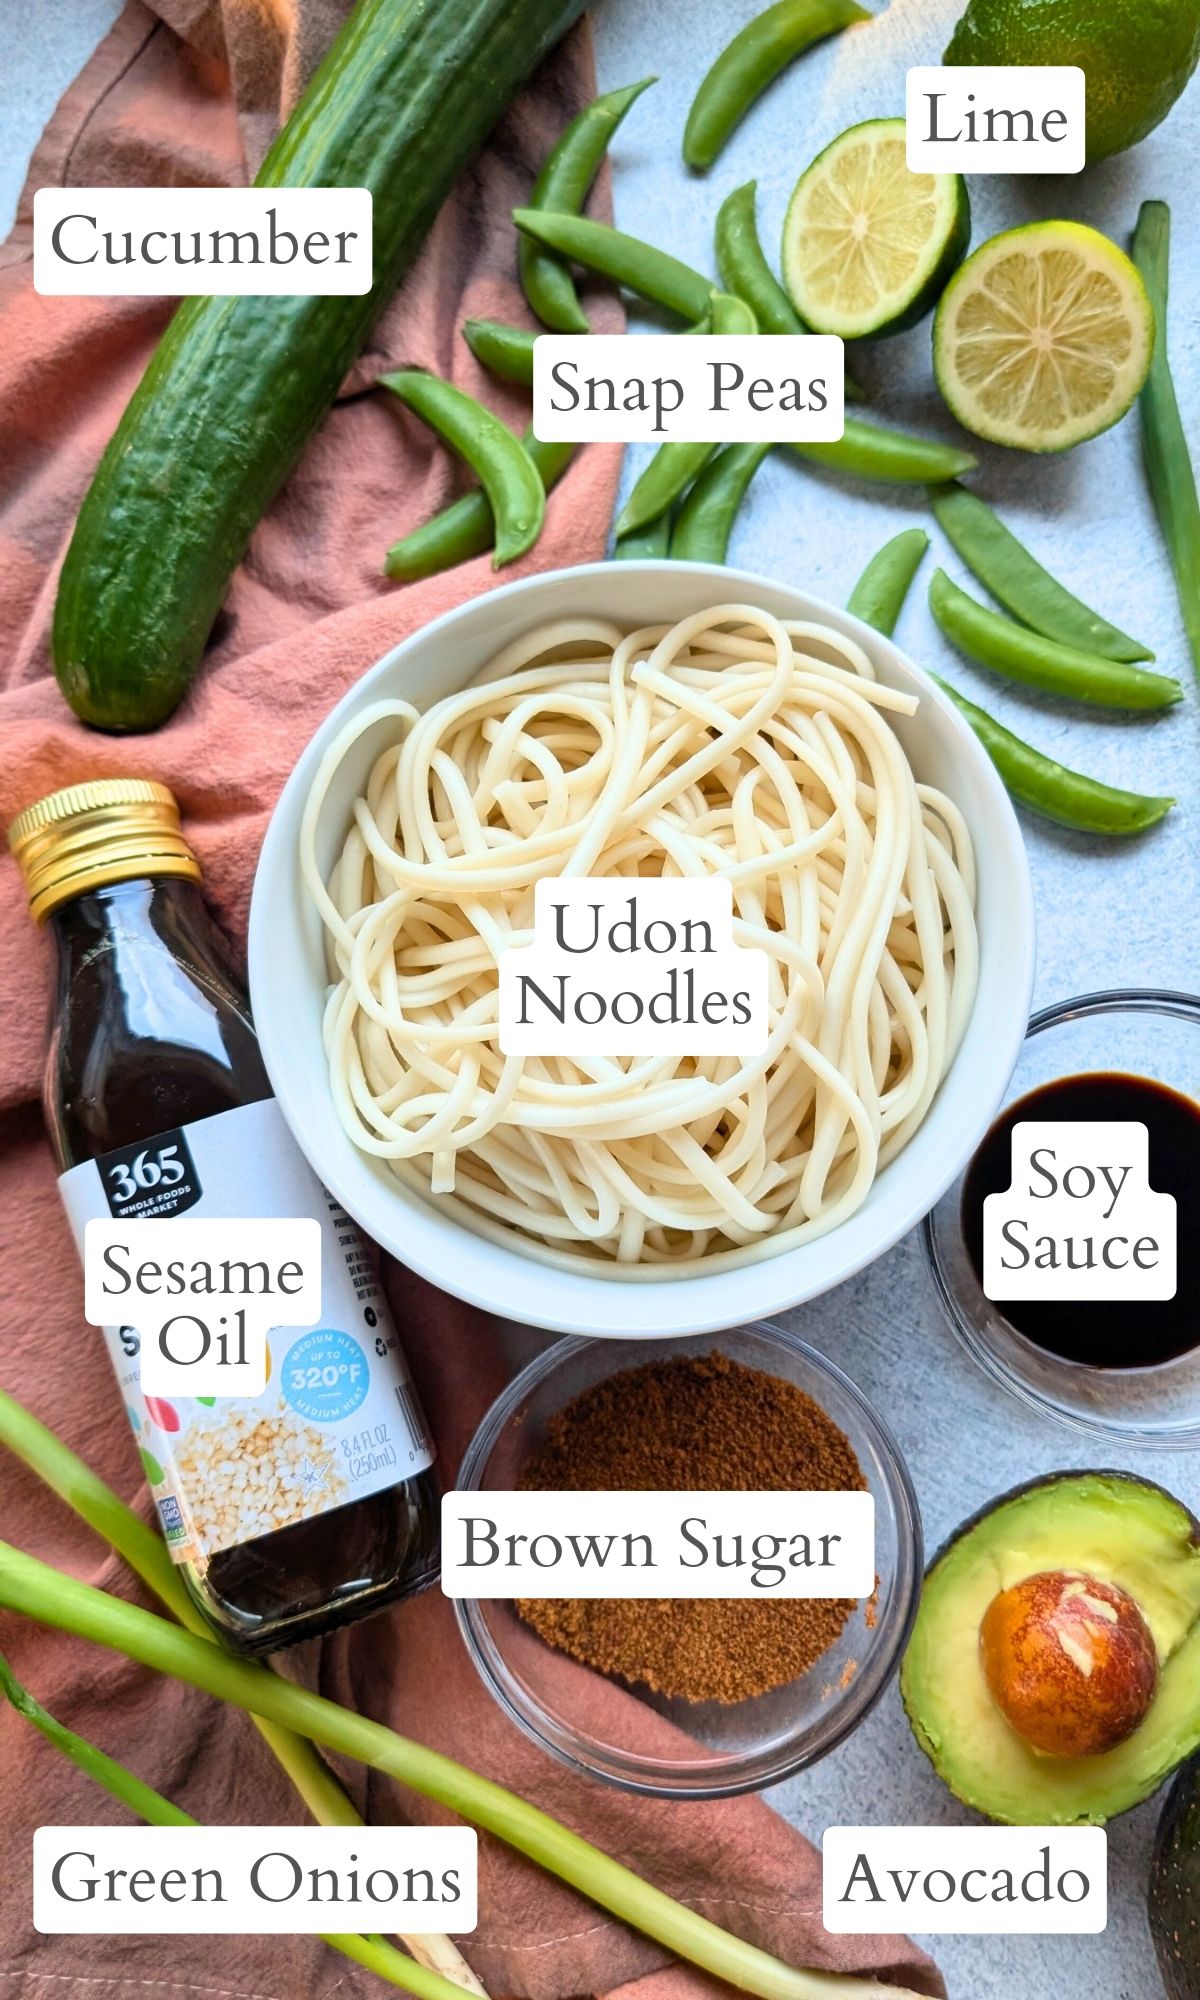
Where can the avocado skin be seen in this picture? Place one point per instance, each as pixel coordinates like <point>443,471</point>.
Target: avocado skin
<point>1173,1896</point>
<point>940,1750</point>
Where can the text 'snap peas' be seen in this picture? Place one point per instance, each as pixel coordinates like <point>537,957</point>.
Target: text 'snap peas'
<point>325,1375</point>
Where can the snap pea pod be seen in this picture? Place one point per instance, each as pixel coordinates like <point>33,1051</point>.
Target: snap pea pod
<point>568,172</point>
<point>506,351</point>
<point>1017,580</point>
<point>675,464</point>
<point>467,526</point>
<point>751,61</point>
<point>743,270</point>
<point>504,467</point>
<point>652,540</point>
<point>673,467</point>
<point>1020,655</point>
<point>878,596</point>
<point>705,520</point>
<point>868,451</point>
<point>627,260</point>
<point>728,314</point>
<point>1052,789</point>
<point>1164,446</point>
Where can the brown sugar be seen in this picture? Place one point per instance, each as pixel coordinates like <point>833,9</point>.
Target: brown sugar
<point>692,1424</point>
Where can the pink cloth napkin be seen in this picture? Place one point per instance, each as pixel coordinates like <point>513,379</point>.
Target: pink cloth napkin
<point>191,93</point>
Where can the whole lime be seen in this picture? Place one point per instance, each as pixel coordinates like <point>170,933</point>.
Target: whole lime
<point>1137,55</point>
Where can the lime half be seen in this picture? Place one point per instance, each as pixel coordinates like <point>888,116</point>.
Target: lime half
<point>1044,337</point>
<point>867,246</point>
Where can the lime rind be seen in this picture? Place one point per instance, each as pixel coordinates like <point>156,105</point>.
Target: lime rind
<point>1043,337</point>
<point>868,247</point>
<point>1138,55</point>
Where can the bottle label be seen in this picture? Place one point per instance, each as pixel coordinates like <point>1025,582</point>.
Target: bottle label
<point>339,1417</point>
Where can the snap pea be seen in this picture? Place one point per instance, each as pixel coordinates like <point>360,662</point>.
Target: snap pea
<point>878,596</point>
<point>467,526</point>
<point>675,464</point>
<point>728,314</point>
<point>1164,446</point>
<point>867,451</point>
<point>751,61</point>
<point>705,520</point>
<point>743,269</point>
<point>1047,787</point>
<point>673,467</point>
<point>568,172</point>
<point>506,351</point>
<point>994,641</point>
<point>1018,582</point>
<point>652,540</point>
<point>505,469</point>
<point>627,260</point>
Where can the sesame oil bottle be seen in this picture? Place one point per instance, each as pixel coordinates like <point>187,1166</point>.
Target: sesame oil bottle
<point>313,1504</point>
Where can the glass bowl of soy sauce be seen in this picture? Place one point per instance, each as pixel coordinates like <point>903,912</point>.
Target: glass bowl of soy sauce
<point>1117,1368</point>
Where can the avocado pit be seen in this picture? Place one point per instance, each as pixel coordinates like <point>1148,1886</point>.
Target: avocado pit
<point>1070,1662</point>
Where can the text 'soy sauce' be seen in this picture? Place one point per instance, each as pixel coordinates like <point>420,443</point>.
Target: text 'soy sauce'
<point>1104,1333</point>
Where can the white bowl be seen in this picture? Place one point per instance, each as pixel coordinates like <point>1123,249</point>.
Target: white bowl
<point>288,978</point>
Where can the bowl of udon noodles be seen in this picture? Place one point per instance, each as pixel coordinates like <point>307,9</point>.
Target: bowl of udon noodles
<point>651,719</point>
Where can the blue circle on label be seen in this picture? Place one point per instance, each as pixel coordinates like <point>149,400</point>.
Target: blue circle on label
<point>326,1375</point>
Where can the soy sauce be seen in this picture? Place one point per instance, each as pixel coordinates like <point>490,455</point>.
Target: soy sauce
<point>1115,1333</point>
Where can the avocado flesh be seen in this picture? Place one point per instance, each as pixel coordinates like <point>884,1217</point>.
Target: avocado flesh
<point>1118,1530</point>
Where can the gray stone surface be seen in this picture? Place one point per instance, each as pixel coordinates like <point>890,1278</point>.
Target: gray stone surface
<point>43,43</point>
<point>1107,915</point>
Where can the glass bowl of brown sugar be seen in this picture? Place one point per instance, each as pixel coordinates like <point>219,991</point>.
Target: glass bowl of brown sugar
<point>693,1697</point>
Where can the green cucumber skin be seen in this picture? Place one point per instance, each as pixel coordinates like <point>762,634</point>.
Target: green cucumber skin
<point>407,94</point>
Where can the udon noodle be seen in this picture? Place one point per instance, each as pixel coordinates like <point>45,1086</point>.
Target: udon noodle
<point>730,743</point>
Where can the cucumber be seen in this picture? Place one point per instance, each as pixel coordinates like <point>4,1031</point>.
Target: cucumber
<point>406,95</point>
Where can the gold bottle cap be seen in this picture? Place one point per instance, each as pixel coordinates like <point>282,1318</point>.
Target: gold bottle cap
<point>111,830</point>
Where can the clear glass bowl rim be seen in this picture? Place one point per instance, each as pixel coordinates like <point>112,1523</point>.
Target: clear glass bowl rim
<point>724,1775</point>
<point>1167,1000</point>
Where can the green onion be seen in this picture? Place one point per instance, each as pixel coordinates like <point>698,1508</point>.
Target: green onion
<point>87,1495</point>
<point>119,1783</point>
<point>129,1790</point>
<point>38,1591</point>
<point>1164,445</point>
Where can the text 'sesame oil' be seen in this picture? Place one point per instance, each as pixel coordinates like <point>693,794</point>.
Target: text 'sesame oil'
<point>313,1504</point>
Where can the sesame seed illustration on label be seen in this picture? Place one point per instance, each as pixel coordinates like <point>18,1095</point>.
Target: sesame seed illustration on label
<point>338,1418</point>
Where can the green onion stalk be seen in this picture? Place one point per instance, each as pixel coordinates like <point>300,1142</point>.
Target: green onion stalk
<point>1165,449</point>
<point>147,1804</point>
<point>38,1591</point>
<point>107,1514</point>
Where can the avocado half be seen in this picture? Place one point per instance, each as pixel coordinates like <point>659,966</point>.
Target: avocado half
<point>1109,1525</point>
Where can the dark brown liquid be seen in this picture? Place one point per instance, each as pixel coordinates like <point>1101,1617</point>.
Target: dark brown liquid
<point>151,1030</point>
<point>1118,1333</point>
